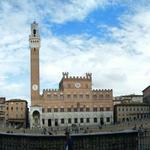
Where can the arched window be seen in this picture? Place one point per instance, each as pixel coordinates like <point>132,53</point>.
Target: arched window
<point>34,32</point>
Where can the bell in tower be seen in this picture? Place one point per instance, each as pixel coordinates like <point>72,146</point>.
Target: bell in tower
<point>34,32</point>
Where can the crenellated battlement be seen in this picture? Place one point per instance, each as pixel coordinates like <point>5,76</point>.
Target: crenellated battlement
<point>65,74</point>
<point>87,76</point>
<point>50,90</point>
<point>102,90</point>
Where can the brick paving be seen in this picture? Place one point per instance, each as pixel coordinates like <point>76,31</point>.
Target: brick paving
<point>144,124</point>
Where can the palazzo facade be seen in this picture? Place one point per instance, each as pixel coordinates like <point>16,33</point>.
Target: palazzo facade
<point>73,103</point>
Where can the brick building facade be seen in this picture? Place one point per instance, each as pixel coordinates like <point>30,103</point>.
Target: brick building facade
<point>127,112</point>
<point>16,113</point>
<point>74,102</point>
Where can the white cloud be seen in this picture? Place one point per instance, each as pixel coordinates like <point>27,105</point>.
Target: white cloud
<point>75,10</point>
<point>133,37</point>
<point>122,65</point>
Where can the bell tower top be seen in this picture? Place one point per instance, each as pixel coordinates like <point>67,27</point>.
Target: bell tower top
<point>34,37</point>
<point>34,29</point>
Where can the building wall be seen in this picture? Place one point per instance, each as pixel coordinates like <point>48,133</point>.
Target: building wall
<point>16,113</point>
<point>2,111</point>
<point>132,98</point>
<point>70,102</point>
<point>78,118</point>
<point>138,99</point>
<point>146,95</point>
<point>131,112</point>
<point>146,91</point>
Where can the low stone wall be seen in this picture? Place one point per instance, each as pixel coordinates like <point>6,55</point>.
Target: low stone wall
<point>99,141</point>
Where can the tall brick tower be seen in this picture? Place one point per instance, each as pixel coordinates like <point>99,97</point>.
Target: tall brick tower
<point>34,43</point>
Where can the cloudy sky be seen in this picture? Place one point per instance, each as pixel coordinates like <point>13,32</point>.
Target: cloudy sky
<point>109,38</point>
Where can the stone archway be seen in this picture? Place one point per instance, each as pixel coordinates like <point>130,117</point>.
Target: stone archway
<point>36,118</point>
